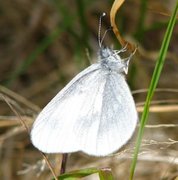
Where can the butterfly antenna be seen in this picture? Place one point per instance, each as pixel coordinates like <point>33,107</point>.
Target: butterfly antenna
<point>101,41</point>
<point>99,30</point>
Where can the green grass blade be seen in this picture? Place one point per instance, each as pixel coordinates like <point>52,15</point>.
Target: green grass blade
<point>153,84</point>
<point>74,175</point>
<point>104,174</point>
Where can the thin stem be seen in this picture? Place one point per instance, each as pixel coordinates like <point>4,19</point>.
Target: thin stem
<point>64,162</point>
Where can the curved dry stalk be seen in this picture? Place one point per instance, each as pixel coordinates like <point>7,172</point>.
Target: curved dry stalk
<point>115,7</point>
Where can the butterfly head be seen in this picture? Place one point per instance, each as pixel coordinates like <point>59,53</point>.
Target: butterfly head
<point>111,60</point>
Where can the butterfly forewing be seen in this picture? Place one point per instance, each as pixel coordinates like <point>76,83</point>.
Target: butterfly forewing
<point>67,112</point>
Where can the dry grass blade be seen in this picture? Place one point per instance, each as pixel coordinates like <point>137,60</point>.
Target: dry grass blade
<point>160,108</point>
<point>8,121</point>
<point>19,98</point>
<point>16,113</point>
<point>28,132</point>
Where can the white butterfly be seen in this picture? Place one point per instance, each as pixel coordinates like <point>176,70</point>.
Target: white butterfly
<point>94,113</point>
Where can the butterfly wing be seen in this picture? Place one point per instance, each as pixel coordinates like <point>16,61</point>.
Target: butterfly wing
<point>118,116</point>
<point>56,127</point>
<point>94,113</point>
